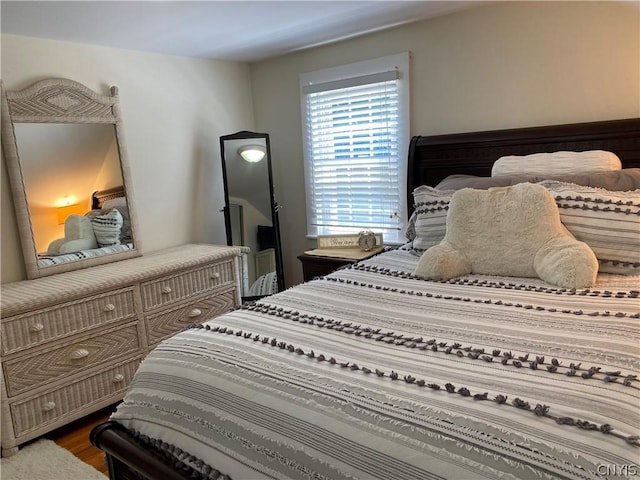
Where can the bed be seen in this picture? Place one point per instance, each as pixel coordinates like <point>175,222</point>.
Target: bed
<point>374,372</point>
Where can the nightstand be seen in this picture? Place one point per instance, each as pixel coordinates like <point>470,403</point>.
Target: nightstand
<point>317,266</point>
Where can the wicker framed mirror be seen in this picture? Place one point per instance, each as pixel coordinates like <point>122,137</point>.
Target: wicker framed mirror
<point>69,174</point>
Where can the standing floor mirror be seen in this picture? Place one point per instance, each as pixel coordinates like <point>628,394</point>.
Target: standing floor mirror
<point>251,212</point>
<point>69,176</point>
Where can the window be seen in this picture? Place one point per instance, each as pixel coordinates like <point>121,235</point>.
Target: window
<point>355,138</point>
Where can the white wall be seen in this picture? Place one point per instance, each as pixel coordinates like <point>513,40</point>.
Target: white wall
<point>509,64</point>
<point>503,65</point>
<point>174,110</point>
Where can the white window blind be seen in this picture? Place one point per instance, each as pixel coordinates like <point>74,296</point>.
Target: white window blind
<point>355,142</point>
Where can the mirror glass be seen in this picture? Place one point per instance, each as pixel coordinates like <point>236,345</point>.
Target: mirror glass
<point>251,214</point>
<point>62,165</point>
<point>69,176</point>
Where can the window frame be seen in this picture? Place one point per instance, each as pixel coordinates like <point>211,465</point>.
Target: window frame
<point>339,77</point>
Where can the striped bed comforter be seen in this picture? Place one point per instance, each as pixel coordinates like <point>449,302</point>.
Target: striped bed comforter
<point>372,373</point>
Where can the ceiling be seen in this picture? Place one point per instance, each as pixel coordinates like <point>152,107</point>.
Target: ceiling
<point>244,31</point>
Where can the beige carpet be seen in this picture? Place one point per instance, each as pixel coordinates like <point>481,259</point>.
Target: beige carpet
<point>44,460</point>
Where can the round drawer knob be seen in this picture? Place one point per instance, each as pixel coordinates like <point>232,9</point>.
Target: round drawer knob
<point>215,275</point>
<point>47,407</point>
<point>109,307</point>
<point>118,378</point>
<point>79,353</point>
<point>166,290</point>
<point>196,312</point>
<point>37,327</point>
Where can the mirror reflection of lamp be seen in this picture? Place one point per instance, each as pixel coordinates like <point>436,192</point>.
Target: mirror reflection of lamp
<point>252,153</point>
<point>66,207</point>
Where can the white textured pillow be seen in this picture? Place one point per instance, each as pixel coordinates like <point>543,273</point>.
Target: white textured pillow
<point>556,163</point>
<point>107,228</point>
<point>609,222</point>
<point>431,207</point>
<point>509,231</point>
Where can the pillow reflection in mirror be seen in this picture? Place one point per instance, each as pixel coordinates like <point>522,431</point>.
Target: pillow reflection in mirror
<point>107,228</point>
<point>78,235</point>
<point>120,204</point>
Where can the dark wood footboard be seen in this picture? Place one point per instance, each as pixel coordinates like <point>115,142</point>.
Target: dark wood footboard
<point>128,459</point>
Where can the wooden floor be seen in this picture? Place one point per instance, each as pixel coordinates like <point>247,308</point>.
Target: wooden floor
<point>75,438</point>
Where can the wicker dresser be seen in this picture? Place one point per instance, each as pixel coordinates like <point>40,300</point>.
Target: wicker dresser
<point>72,342</point>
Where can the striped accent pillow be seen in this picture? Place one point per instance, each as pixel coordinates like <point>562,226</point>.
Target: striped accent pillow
<point>431,207</point>
<point>107,228</point>
<point>607,221</point>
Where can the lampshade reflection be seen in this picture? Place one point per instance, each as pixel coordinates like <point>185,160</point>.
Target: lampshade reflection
<point>65,211</point>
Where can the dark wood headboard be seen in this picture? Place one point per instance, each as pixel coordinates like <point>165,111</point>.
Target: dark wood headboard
<point>433,158</point>
<point>98,198</point>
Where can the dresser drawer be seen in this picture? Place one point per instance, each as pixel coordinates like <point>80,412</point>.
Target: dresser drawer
<point>173,288</point>
<point>31,414</point>
<point>47,324</point>
<point>169,322</point>
<point>40,368</point>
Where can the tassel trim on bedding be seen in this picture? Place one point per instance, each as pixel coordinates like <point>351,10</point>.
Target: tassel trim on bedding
<point>540,410</point>
<point>534,362</point>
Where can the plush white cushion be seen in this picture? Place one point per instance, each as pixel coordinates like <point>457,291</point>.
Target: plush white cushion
<point>609,222</point>
<point>556,163</point>
<point>107,228</point>
<point>77,245</point>
<point>509,231</point>
<point>78,235</point>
